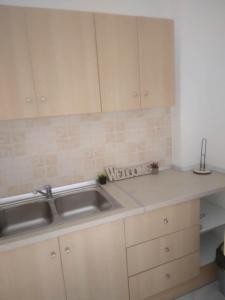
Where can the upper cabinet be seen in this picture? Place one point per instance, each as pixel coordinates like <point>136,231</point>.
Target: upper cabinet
<point>57,62</point>
<point>17,99</point>
<point>156,50</point>
<point>64,61</point>
<point>136,62</point>
<point>117,46</point>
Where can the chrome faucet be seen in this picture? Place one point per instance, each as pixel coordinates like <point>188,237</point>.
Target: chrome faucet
<point>47,191</point>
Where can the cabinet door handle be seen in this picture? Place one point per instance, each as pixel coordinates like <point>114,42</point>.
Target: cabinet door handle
<point>165,221</point>
<point>167,249</point>
<point>53,254</point>
<point>28,99</point>
<point>67,250</point>
<point>43,99</point>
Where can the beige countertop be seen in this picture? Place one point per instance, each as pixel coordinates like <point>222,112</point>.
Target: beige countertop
<point>136,195</point>
<point>171,187</point>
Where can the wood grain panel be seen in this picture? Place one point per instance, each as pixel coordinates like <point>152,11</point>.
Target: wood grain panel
<point>157,63</point>
<point>32,273</point>
<point>63,50</point>
<point>152,282</point>
<point>161,222</point>
<point>118,62</point>
<point>94,263</point>
<point>162,250</point>
<point>17,98</point>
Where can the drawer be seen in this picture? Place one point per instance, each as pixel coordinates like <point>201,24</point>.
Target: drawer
<point>161,222</point>
<point>167,276</point>
<point>150,254</point>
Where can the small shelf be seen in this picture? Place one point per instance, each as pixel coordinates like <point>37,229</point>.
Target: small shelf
<point>212,216</point>
<point>209,242</point>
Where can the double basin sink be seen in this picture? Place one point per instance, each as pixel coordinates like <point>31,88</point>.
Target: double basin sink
<point>35,214</point>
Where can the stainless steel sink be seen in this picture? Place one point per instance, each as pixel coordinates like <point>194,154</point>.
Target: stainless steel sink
<point>23,217</point>
<point>85,203</point>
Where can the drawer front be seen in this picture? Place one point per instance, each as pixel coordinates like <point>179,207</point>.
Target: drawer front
<point>167,276</point>
<point>161,222</point>
<point>150,254</point>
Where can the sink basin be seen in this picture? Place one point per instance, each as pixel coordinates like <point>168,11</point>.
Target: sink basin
<point>85,203</point>
<point>23,217</point>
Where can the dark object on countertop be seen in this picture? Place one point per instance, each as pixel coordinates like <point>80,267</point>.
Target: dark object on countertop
<point>102,179</point>
<point>155,167</point>
<point>220,262</point>
<point>202,168</point>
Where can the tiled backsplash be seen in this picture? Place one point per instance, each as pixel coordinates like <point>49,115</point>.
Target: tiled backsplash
<point>65,150</point>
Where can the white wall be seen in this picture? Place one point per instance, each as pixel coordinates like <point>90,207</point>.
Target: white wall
<point>201,93</point>
<point>158,8</point>
<point>200,56</point>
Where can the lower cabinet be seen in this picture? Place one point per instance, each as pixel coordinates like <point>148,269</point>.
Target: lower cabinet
<point>32,273</point>
<point>94,263</point>
<point>97,264</point>
<point>152,282</point>
<point>88,264</point>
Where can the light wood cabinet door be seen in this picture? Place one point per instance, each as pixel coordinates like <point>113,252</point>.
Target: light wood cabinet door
<point>32,273</point>
<point>17,98</point>
<point>147,284</point>
<point>64,59</point>
<point>156,48</point>
<point>117,45</point>
<point>159,251</point>
<point>94,263</point>
<point>160,222</point>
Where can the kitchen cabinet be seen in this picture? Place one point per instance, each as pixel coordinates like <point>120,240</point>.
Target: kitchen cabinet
<point>64,61</point>
<point>162,249</point>
<point>48,63</point>
<point>56,62</point>
<point>161,222</point>
<point>32,273</point>
<point>94,263</point>
<point>159,251</point>
<point>152,282</point>
<point>17,97</point>
<point>157,63</point>
<point>136,62</point>
<point>117,44</point>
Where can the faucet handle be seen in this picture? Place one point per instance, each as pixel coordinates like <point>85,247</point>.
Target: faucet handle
<point>47,187</point>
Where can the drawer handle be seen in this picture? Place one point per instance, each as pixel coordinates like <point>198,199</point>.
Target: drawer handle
<point>67,250</point>
<point>43,99</point>
<point>167,249</point>
<point>28,100</point>
<point>166,221</point>
<point>168,276</point>
<point>53,254</point>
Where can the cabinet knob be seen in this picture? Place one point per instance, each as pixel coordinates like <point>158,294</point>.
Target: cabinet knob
<point>28,100</point>
<point>43,99</point>
<point>168,276</point>
<point>67,250</point>
<point>53,254</point>
<point>165,221</point>
<point>146,93</point>
<point>167,249</point>
<point>135,94</point>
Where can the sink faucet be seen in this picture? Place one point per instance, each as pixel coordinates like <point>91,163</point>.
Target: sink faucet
<point>47,191</point>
